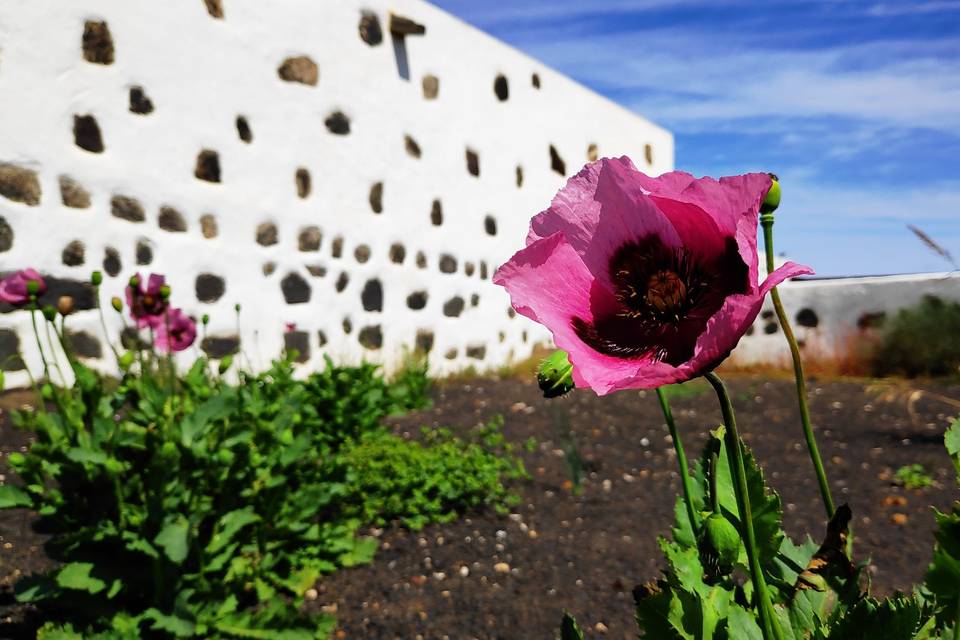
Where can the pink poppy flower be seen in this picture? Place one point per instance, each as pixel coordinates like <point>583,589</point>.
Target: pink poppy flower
<point>176,331</point>
<point>146,305</point>
<point>13,288</point>
<point>644,281</point>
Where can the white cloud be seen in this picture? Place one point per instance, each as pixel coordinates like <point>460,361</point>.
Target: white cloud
<point>886,9</point>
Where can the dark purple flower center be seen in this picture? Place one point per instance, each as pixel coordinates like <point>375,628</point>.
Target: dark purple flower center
<point>664,298</point>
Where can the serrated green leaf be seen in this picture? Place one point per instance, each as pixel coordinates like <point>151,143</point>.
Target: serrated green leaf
<point>173,539</point>
<point>76,575</point>
<point>35,588</point>
<point>229,525</point>
<point>362,552</point>
<point>742,625</point>
<point>952,441</point>
<point>569,629</point>
<point>174,625</point>
<point>12,497</point>
<point>896,618</point>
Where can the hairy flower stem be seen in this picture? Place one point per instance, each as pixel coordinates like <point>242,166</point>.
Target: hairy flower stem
<point>681,459</point>
<point>766,221</point>
<point>714,496</point>
<point>768,622</point>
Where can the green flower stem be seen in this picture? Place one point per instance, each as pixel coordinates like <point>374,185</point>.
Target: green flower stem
<point>714,496</point>
<point>681,459</point>
<point>956,623</point>
<point>103,324</point>
<point>766,221</point>
<point>768,622</point>
<point>36,334</point>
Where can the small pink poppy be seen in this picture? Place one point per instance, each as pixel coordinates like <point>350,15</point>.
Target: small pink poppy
<point>146,305</point>
<point>13,288</point>
<point>644,281</point>
<point>176,331</point>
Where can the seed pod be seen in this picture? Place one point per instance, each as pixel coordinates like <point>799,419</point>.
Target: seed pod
<point>772,199</point>
<point>116,303</point>
<point>96,278</point>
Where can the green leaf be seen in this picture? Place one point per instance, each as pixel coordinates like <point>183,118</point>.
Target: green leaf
<point>896,618</point>
<point>12,497</point>
<point>173,539</point>
<point>362,552</point>
<point>174,625</point>
<point>76,575</point>
<point>216,408</point>
<point>952,441</point>
<point>229,525</point>
<point>742,625</point>
<point>569,629</point>
<point>35,588</point>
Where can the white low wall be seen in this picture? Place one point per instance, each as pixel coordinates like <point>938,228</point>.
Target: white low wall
<point>829,315</point>
<point>415,105</point>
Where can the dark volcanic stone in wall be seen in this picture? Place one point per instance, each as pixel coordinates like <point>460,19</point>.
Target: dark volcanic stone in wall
<point>372,296</point>
<point>317,270</point>
<point>376,197</point>
<point>243,130</point>
<point>209,287</point>
<point>397,253</point>
<point>421,260</point>
<point>84,344</point>
<point>73,254</point>
<point>535,80</point>
<point>302,180</point>
<point>413,149</point>
<point>127,208</point>
<point>111,262</point>
<point>208,226</point>
<point>338,123</point>
<point>362,253</point>
<point>453,307</point>
<point>473,163</point>
<point>144,252</point>
<point>648,153</point>
<point>336,247</point>
<point>10,359</point>
<point>321,338</point>
<point>214,8</point>
<point>477,352</point>
<point>6,235</point>
<point>97,42</point>
<point>139,102</point>
<point>448,264</point>
<point>267,234</point>
<point>431,87</point>
<point>300,69</point>
<point>295,289</point>
<point>171,220</point>
<point>220,346</point>
<point>436,213</point>
<point>298,341</point>
<point>500,88</point>
<point>490,225</point>
<point>592,153</point>
<point>73,194</point>
<point>371,337</point>
<point>19,184</point>
<point>268,268</point>
<point>370,30</point>
<point>519,176</point>
<point>556,162</point>
<point>86,134</point>
<point>208,166</point>
<point>310,239</point>
<point>807,317</point>
<point>417,300</point>
<point>342,281</point>
<point>424,341</point>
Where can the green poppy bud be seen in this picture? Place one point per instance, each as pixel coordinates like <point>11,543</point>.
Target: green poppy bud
<point>772,199</point>
<point>225,364</point>
<point>50,312</point>
<point>46,391</point>
<point>16,459</point>
<point>236,307</point>
<point>165,292</point>
<point>226,456</point>
<point>116,303</point>
<point>126,360</point>
<point>33,287</point>
<point>96,278</point>
<point>205,319</point>
<point>134,281</point>
<point>719,544</point>
<point>555,375</point>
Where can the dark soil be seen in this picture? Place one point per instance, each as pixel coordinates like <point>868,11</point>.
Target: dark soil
<point>511,577</point>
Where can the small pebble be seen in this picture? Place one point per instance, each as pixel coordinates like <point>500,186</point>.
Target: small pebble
<point>501,567</point>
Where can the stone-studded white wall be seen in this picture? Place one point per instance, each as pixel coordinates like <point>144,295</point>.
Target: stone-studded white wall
<point>410,116</point>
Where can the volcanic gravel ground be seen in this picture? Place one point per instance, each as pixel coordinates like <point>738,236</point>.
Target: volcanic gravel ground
<point>511,577</point>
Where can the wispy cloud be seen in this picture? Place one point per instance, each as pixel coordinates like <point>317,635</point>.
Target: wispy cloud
<point>885,9</point>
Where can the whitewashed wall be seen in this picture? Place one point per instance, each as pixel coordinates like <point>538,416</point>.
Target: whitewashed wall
<point>200,73</point>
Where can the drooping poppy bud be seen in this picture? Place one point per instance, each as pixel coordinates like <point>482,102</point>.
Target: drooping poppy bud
<point>49,313</point>
<point>205,319</point>
<point>116,303</point>
<point>719,544</point>
<point>165,292</point>
<point>555,375</point>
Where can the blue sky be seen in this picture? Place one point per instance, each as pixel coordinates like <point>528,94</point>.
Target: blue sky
<point>855,104</point>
